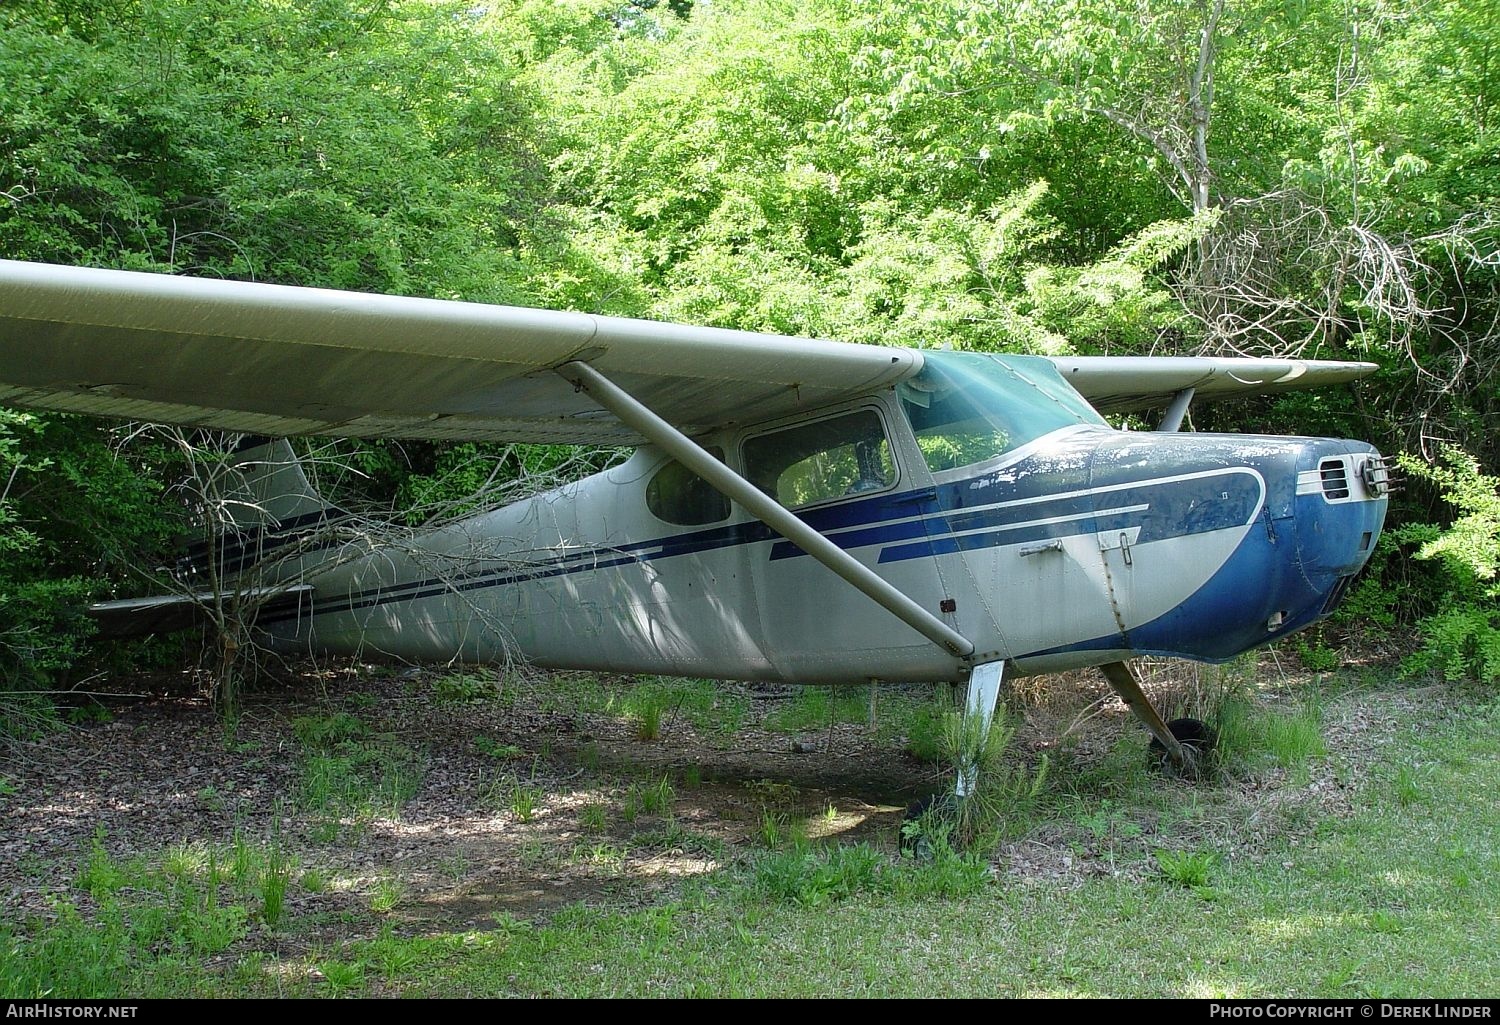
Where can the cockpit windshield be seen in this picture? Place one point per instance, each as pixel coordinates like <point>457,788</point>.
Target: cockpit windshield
<point>966,407</point>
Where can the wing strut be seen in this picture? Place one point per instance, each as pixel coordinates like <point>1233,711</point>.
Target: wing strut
<point>1171,420</point>
<point>760,505</point>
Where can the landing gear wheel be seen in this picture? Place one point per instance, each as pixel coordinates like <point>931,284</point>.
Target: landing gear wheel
<point>1198,740</point>
<point>917,822</point>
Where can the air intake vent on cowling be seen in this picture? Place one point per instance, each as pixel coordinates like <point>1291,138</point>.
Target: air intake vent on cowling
<point>1335,478</point>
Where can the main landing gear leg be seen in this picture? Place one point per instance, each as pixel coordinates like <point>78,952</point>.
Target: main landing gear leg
<point>1185,743</point>
<point>979,706</point>
<point>981,694</point>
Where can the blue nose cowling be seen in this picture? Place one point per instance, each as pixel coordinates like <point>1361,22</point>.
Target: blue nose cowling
<point>1325,503</point>
<point>1338,511</point>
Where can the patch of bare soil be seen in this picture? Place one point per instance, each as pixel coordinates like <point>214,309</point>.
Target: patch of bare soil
<point>519,806</point>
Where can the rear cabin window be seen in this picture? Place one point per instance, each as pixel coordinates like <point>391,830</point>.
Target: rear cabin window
<point>678,495</point>
<point>844,456</point>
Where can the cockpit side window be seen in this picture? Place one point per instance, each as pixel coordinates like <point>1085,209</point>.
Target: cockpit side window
<point>678,495</point>
<point>835,458</point>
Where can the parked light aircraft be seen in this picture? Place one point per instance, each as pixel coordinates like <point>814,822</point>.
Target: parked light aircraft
<point>797,510</point>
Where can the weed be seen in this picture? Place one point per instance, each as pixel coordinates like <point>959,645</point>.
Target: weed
<point>92,713</point>
<point>658,798</point>
<point>275,878</point>
<point>674,838</point>
<point>314,880</point>
<point>325,732</point>
<point>534,854</point>
<point>387,895</point>
<point>455,867</point>
<point>524,800</point>
<point>101,874</point>
<point>509,924</point>
<point>814,877</point>
<point>352,772</point>
<point>593,818</point>
<point>588,757</point>
<point>773,829</point>
<point>392,954</point>
<point>1249,737</point>
<point>998,792</point>
<point>647,719</point>
<point>185,862</point>
<point>242,862</point>
<point>1315,654</point>
<point>1187,868</point>
<point>498,751</point>
<point>341,976</point>
<point>464,687</point>
<point>1408,792</point>
<point>604,855</point>
<point>819,707</point>
<point>648,799</point>
<point>924,736</point>
<point>324,831</point>
<point>774,794</point>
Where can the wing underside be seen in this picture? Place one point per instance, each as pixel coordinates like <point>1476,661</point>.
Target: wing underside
<point>280,360</point>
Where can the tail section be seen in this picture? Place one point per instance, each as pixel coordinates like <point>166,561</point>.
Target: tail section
<point>262,513</point>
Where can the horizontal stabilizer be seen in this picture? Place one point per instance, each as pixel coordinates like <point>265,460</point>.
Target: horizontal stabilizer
<point>167,613</point>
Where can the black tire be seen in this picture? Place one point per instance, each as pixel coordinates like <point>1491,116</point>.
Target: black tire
<point>1197,737</point>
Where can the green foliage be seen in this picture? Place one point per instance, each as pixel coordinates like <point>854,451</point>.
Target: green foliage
<point>1002,792</point>
<point>1007,175</point>
<point>649,799</point>
<point>456,688</point>
<point>1187,868</point>
<point>140,919</point>
<point>496,750</point>
<point>814,877</point>
<point>593,818</point>
<point>347,768</point>
<point>814,708</point>
<point>1250,737</point>
<point>386,895</point>
<point>524,801</point>
<point>1462,638</point>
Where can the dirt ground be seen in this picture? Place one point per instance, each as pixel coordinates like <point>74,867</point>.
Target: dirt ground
<point>462,851</point>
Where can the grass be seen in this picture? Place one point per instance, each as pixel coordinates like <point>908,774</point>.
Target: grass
<point>815,708</point>
<point>1391,892</point>
<point>524,801</point>
<point>593,818</point>
<point>1251,738</point>
<point>350,771</point>
<point>648,799</point>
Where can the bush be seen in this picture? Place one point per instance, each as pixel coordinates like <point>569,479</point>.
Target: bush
<point>1462,639</point>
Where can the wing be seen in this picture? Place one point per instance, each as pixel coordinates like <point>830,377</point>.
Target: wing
<point>1121,384</point>
<point>278,360</point>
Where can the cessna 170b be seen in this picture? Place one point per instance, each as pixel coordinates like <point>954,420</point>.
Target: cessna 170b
<point>797,510</point>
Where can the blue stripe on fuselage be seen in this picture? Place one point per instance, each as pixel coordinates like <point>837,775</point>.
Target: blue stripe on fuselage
<point>1013,505</point>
